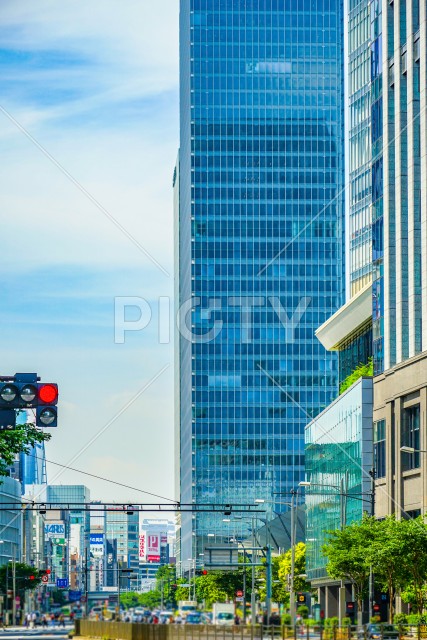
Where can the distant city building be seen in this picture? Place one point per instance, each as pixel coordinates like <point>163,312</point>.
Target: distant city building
<point>259,230</point>
<point>67,531</point>
<point>124,528</point>
<point>157,544</point>
<point>10,520</point>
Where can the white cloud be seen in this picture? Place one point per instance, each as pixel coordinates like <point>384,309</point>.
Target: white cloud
<point>96,84</point>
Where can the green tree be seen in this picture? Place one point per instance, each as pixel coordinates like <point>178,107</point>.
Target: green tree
<point>386,554</point>
<point>129,599</point>
<point>414,544</point>
<point>360,371</point>
<point>165,578</point>
<point>27,578</point>
<point>347,553</point>
<point>300,584</point>
<point>150,600</point>
<point>210,589</point>
<point>279,590</point>
<point>182,593</point>
<point>20,440</point>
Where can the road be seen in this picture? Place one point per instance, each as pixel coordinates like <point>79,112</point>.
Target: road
<point>20,633</point>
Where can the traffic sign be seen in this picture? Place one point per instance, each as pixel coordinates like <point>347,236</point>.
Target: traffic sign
<point>62,583</point>
<point>239,593</point>
<point>45,579</point>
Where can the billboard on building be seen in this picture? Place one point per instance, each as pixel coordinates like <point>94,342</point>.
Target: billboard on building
<point>54,530</point>
<point>142,546</point>
<point>153,547</point>
<point>96,544</point>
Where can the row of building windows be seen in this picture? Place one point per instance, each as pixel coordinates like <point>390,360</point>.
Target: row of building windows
<point>410,437</point>
<point>272,161</point>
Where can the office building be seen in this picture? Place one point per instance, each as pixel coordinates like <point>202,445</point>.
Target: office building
<point>156,548</point>
<point>67,531</point>
<point>123,526</point>
<point>358,137</point>
<point>10,520</point>
<point>400,256</point>
<point>339,457</point>
<point>259,233</point>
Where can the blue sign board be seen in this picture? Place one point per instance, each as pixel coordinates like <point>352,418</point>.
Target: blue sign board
<point>96,538</point>
<point>62,583</point>
<point>74,596</point>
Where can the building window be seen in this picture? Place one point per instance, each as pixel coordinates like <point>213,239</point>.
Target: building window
<point>411,437</point>
<point>379,449</point>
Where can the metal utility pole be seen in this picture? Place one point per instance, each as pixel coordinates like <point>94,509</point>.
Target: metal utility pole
<point>244,587</point>
<point>292,591</point>
<point>269,582</point>
<point>371,573</point>
<point>253,598</point>
<point>86,576</point>
<point>14,590</point>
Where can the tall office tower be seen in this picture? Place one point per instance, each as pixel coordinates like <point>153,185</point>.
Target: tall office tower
<point>399,172</point>
<point>399,177</point>
<point>359,146</point>
<point>259,199</point>
<point>124,527</point>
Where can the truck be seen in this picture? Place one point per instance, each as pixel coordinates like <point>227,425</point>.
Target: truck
<point>223,614</point>
<point>186,606</point>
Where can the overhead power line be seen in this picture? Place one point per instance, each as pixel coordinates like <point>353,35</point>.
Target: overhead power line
<point>92,475</point>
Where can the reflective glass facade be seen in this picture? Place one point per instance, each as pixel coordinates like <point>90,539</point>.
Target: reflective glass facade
<point>360,178</point>
<point>355,350</point>
<point>10,520</point>
<point>339,456</point>
<point>399,170</point>
<point>259,244</point>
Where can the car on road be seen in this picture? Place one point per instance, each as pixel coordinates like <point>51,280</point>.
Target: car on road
<point>195,618</point>
<point>379,632</point>
<point>166,617</point>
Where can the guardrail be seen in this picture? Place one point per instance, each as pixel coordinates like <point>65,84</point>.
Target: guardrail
<point>139,631</point>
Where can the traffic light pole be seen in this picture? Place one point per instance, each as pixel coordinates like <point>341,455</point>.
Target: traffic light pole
<point>14,591</point>
<point>371,573</point>
<point>253,599</point>
<point>86,589</point>
<point>292,589</point>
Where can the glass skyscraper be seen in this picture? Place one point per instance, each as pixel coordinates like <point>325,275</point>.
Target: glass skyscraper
<point>259,235</point>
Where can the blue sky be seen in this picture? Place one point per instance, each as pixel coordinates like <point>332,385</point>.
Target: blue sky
<point>96,85</point>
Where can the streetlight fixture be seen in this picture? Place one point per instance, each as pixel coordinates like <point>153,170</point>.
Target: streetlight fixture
<point>412,450</point>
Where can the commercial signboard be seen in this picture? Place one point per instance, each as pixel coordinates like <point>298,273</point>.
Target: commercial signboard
<point>153,547</point>
<point>96,541</point>
<point>54,530</point>
<point>142,546</point>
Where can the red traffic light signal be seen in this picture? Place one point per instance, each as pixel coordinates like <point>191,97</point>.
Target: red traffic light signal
<point>204,572</point>
<point>48,393</point>
<point>31,577</point>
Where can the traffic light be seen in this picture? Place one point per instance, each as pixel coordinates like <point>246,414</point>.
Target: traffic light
<point>201,572</point>
<point>46,412</point>
<point>24,391</point>
<point>301,598</point>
